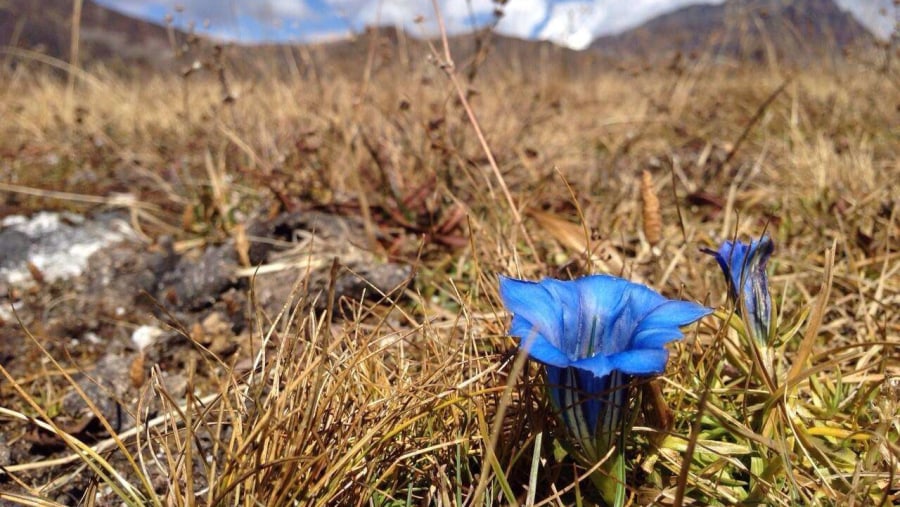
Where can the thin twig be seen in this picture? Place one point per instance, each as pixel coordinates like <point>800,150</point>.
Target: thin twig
<point>754,120</point>
<point>448,68</point>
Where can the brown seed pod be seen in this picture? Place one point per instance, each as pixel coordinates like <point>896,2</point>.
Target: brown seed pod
<point>36,272</point>
<point>652,217</point>
<point>136,371</point>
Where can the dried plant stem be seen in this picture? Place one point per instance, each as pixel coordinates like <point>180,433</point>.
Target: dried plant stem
<point>756,117</point>
<point>74,45</point>
<point>448,67</point>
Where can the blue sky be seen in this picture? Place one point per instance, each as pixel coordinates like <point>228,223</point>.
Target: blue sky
<point>572,23</point>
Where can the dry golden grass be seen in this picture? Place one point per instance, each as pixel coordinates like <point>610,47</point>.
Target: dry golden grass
<point>417,399</point>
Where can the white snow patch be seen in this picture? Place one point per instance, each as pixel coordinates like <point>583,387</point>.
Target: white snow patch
<point>144,336</point>
<point>8,310</point>
<point>58,245</point>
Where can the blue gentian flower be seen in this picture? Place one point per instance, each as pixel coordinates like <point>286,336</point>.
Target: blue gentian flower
<point>592,334</point>
<point>744,266</point>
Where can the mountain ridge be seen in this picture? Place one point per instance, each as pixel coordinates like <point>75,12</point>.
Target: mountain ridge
<point>748,30</point>
<point>756,31</point>
<point>105,34</point>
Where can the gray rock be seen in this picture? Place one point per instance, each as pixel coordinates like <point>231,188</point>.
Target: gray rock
<point>362,274</point>
<point>371,281</point>
<point>117,277</point>
<point>58,245</point>
<point>14,246</point>
<point>197,283</point>
<point>273,290</point>
<point>4,452</point>
<point>288,226</point>
<point>106,385</point>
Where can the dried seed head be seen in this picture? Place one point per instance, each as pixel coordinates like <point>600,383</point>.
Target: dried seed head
<point>136,371</point>
<point>652,217</point>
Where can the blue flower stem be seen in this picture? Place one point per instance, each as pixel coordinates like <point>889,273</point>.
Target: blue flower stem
<point>609,479</point>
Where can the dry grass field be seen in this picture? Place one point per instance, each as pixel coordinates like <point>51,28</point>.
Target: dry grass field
<point>415,396</point>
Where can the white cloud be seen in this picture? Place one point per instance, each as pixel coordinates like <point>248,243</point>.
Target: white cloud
<point>521,17</point>
<point>457,14</point>
<point>576,24</point>
<point>879,16</point>
<point>459,10</point>
<point>329,36</point>
<point>266,12</point>
<point>572,24</point>
<point>136,8</point>
<point>222,17</point>
<point>288,8</point>
<point>393,12</point>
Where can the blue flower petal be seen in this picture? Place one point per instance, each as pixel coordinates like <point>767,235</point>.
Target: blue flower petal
<point>673,314</point>
<point>595,396</point>
<point>642,299</point>
<point>619,329</point>
<point>569,301</point>
<point>536,305</point>
<point>656,337</point>
<point>536,345</point>
<point>601,294</point>
<point>555,382</point>
<point>640,361</point>
<point>610,309</point>
<point>632,362</point>
<point>741,261</point>
<point>744,266</point>
<point>599,365</point>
